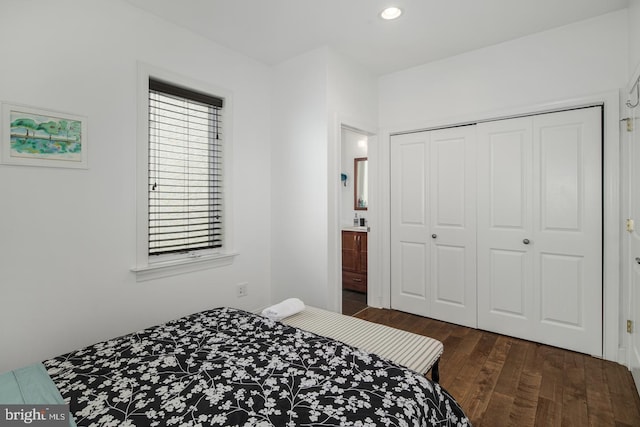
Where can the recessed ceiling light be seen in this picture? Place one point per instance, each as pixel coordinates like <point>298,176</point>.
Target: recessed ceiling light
<point>391,13</point>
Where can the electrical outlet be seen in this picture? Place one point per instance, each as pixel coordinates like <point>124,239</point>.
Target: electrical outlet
<point>241,289</point>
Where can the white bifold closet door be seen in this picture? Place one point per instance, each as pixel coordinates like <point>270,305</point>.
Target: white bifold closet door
<point>433,224</point>
<point>540,228</point>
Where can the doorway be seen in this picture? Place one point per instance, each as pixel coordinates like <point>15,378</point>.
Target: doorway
<point>354,218</point>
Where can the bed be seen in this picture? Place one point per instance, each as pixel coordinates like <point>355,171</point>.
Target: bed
<point>228,367</point>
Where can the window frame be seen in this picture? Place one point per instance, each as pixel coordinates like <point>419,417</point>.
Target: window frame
<point>155,266</point>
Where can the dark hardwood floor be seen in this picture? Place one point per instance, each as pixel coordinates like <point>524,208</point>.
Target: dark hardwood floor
<point>504,381</point>
<point>353,302</point>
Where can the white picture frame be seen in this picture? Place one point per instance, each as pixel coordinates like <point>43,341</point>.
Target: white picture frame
<point>40,137</point>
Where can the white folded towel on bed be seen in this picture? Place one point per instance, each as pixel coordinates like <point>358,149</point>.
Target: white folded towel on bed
<point>284,309</point>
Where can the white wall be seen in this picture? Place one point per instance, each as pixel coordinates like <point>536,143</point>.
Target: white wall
<point>634,36</point>
<point>314,94</point>
<point>67,237</point>
<point>299,179</point>
<point>570,62</point>
<point>579,59</point>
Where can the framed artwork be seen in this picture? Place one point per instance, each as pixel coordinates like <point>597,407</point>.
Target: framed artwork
<point>37,137</point>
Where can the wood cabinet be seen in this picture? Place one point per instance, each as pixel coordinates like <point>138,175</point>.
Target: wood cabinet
<point>354,261</point>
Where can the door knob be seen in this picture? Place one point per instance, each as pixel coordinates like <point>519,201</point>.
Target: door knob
<point>526,241</point>
<point>638,260</point>
<point>433,236</point>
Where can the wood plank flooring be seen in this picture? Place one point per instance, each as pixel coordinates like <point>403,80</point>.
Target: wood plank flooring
<point>504,381</point>
<point>353,302</point>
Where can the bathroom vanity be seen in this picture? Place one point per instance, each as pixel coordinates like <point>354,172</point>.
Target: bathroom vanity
<point>354,259</point>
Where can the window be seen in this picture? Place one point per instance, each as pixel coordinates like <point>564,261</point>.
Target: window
<point>185,170</point>
<point>183,217</point>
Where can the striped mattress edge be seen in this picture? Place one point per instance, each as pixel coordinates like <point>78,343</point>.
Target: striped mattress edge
<point>414,351</point>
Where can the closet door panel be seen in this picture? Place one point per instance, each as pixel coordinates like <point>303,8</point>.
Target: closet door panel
<point>452,199</point>
<point>433,220</point>
<point>560,178</point>
<point>562,290</point>
<point>449,263</point>
<point>505,262</point>
<point>508,155</point>
<point>567,246</point>
<point>412,174</point>
<point>540,228</point>
<point>448,189</point>
<point>508,285</point>
<point>412,272</point>
<point>410,243</point>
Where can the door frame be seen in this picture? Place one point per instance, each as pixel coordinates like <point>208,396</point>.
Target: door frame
<point>334,290</point>
<point>627,298</point>
<point>611,200</point>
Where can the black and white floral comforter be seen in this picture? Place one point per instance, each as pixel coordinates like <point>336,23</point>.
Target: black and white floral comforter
<point>227,367</point>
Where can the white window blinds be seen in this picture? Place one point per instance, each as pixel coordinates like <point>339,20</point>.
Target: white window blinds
<point>185,170</point>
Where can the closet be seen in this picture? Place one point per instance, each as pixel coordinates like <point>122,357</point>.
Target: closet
<point>499,226</point>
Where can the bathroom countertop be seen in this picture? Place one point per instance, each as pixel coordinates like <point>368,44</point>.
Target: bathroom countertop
<point>352,228</point>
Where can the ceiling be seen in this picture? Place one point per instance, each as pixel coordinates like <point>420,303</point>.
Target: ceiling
<point>272,31</point>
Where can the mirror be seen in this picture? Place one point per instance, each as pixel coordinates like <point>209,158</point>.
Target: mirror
<point>361,190</point>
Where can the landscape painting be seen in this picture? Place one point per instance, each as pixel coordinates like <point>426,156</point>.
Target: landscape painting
<point>43,138</point>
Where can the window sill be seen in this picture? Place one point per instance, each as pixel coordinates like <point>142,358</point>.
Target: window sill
<point>187,265</point>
